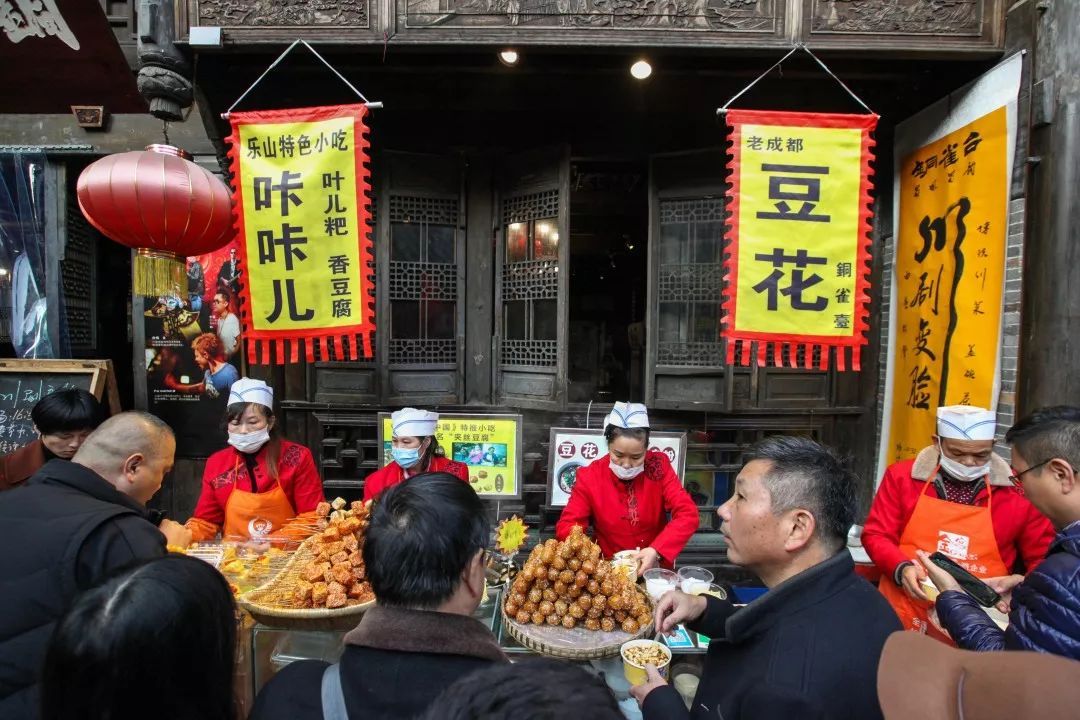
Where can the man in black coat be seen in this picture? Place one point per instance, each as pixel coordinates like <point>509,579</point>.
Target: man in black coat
<point>71,525</point>
<point>424,555</point>
<point>808,648</point>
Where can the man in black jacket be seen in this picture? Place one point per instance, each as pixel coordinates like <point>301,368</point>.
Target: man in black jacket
<point>71,525</point>
<point>424,554</point>
<point>808,648</point>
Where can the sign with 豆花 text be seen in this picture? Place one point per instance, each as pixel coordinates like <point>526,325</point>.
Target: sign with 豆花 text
<point>300,190</point>
<point>797,263</point>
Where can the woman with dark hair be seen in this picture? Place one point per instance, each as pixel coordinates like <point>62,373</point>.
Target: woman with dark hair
<point>63,420</point>
<point>156,640</point>
<point>415,449</point>
<point>255,487</point>
<point>628,494</point>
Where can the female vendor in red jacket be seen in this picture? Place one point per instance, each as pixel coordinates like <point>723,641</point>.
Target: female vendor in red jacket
<point>262,482</point>
<point>415,449</point>
<point>628,494</point>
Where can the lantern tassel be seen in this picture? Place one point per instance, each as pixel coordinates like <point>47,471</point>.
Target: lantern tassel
<point>157,273</point>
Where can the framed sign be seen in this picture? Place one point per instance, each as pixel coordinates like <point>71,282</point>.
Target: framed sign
<point>490,445</point>
<point>573,448</point>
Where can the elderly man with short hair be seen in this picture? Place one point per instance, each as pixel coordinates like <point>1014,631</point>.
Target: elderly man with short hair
<point>66,529</point>
<point>424,554</point>
<point>954,497</point>
<point>809,647</point>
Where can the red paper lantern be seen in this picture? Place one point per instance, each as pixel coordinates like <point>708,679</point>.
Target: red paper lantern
<point>161,204</point>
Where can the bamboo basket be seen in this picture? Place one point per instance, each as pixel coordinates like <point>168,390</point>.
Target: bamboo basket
<point>271,603</point>
<point>576,644</point>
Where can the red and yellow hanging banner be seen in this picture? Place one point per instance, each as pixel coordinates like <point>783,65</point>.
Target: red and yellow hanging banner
<point>301,184</point>
<point>797,264</point>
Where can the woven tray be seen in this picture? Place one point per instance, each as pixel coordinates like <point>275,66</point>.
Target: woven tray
<point>576,644</point>
<point>271,602</point>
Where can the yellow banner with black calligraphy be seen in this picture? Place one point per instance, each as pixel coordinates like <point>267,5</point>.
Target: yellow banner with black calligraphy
<point>799,245</point>
<point>950,266</point>
<point>301,184</point>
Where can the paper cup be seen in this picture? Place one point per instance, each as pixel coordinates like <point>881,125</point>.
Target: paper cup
<point>635,673</point>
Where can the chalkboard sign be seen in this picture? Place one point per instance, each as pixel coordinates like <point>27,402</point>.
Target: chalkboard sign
<point>24,382</point>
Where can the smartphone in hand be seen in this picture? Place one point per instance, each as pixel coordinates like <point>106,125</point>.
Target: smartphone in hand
<point>976,588</point>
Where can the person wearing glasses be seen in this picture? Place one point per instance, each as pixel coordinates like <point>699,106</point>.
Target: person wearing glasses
<point>955,497</point>
<point>1044,607</point>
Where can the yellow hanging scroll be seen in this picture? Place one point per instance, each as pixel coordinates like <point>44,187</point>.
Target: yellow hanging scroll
<point>950,266</point>
<point>797,264</point>
<point>301,186</point>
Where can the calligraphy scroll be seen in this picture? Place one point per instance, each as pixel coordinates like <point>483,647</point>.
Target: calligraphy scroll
<point>799,247</point>
<point>950,266</point>
<point>300,189</point>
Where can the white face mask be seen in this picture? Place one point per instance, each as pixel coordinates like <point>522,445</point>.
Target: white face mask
<point>250,442</point>
<point>626,473</point>
<point>961,471</point>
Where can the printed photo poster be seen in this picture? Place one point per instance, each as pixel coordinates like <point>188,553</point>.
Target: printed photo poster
<point>490,445</point>
<point>573,448</point>
<point>952,193</point>
<point>193,351</point>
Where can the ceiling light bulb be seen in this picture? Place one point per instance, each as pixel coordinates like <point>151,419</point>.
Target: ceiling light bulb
<point>509,57</point>
<point>641,69</point>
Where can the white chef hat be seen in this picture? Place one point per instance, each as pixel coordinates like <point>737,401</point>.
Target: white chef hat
<point>628,415</point>
<point>964,422</point>
<point>249,390</point>
<point>410,422</point>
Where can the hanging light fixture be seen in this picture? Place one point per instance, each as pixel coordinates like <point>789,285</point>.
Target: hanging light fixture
<point>159,203</point>
<point>509,57</point>
<point>641,69</point>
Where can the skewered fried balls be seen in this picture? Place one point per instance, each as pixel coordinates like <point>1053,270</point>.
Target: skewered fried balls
<point>615,602</point>
<point>607,624</point>
<point>548,556</point>
<point>566,576</point>
<point>595,613</point>
<point>566,551</point>
<point>606,588</point>
<point>620,616</point>
<point>530,607</point>
<point>585,601</point>
<point>561,607</point>
<point>546,608</point>
<point>537,618</point>
<point>644,620</point>
<point>588,567</point>
<point>536,595</point>
<point>550,595</point>
<point>559,564</point>
<point>527,574</point>
<point>592,624</point>
<point>553,619</point>
<point>574,564</point>
<point>577,611</point>
<point>512,609</point>
<point>553,574</point>
<point>575,592</point>
<point>518,598</point>
<point>522,617</point>
<point>593,587</point>
<point>599,602</point>
<point>560,588</point>
<point>630,625</point>
<point>569,622</point>
<point>581,579</point>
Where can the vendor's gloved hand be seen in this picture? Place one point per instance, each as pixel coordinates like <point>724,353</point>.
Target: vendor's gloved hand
<point>640,692</point>
<point>175,533</point>
<point>675,608</point>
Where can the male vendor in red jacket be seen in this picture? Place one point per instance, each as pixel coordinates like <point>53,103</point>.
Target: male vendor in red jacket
<point>954,497</point>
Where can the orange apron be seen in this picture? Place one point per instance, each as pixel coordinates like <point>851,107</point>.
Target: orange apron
<point>965,533</point>
<point>255,515</point>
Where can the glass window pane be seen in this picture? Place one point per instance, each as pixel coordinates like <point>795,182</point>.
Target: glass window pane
<point>404,319</point>
<point>517,240</point>
<point>706,322</point>
<point>707,245</point>
<point>673,242</point>
<point>440,320</point>
<point>673,322</point>
<point>515,326</point>
<point>545,320</point>
<point>440,244</point>
<point>405,242</point>
<point>546,239</point>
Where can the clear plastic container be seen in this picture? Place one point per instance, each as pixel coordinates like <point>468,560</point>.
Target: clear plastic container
<point>694,580</point>
<point>659,581</point>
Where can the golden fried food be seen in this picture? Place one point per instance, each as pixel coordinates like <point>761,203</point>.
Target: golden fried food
<point>642,655</point>
<point>336,576</point>
<point>607,624</point>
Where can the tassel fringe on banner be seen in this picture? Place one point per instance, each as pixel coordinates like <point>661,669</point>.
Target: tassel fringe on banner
<point>157,273</point>
<point>330,347</point>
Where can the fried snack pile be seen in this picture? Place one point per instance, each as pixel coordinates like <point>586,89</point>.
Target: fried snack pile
<point>335,578</point>
<point>568,583</point>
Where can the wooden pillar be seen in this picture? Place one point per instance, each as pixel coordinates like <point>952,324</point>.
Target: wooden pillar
<point>1050,325</point>
<point>479,280</point>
